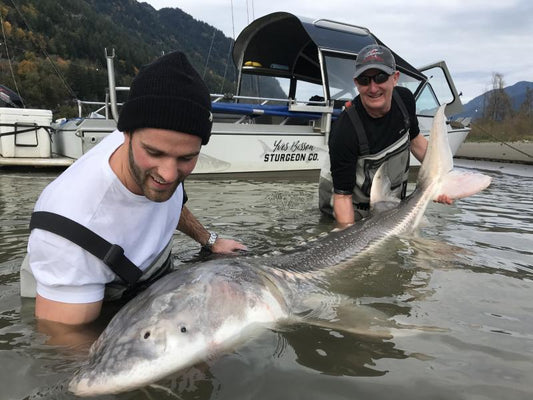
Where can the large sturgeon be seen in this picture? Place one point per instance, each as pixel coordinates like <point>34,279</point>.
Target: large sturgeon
<point>195,312</point>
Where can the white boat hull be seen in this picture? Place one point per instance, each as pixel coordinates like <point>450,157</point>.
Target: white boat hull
<point>234,149</point>
<point>263,148</point>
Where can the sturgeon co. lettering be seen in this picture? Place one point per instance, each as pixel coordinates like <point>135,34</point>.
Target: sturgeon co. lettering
<point>280,157</point>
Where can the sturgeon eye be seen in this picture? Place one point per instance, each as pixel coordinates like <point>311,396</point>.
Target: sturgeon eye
<point>146,334</point>
<point>183,329</point>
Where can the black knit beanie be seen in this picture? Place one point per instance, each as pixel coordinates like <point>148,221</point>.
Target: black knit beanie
<point>168,94</point>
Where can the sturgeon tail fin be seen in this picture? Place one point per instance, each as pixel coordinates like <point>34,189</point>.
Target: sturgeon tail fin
<point>438,165</point>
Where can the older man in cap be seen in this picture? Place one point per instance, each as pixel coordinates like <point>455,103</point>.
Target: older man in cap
<point>103,229</point>
<point>379,126</point>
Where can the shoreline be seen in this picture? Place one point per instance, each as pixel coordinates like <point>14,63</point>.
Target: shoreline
<point>519,152</point>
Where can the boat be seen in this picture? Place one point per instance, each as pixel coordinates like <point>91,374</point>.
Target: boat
<point>295,75</point>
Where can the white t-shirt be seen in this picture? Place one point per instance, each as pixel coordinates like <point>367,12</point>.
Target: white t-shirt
<point>90,193</point>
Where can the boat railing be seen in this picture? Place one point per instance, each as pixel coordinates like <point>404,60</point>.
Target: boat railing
<point>105,105</point>
<point>264,100</point>
<point>320,106</point>
<point>318,113</point>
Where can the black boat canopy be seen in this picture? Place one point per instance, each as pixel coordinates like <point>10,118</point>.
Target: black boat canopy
<point>282,44</point>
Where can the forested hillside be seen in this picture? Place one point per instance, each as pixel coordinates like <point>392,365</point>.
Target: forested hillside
<point>52,52</point>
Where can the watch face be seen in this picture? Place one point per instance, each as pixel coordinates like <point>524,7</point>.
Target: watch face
<point>212,239</point>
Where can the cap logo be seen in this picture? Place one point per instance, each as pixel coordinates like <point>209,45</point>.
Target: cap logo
<point>374,55</point>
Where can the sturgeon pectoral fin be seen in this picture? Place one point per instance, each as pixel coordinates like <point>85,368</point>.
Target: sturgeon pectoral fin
<point>364,320</point>
<point>380,190</point>
<point>457,185</point>
<point>347,316</point>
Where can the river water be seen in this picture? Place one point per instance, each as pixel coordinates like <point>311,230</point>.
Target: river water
<point>467,272</point>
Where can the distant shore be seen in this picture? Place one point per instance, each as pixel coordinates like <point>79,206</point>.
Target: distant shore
<point>519,152</point>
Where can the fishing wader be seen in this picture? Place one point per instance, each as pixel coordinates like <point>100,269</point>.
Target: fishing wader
<point>396,156</point>
<point>130,279</point>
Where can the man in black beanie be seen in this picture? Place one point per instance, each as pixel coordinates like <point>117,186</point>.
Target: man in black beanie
<point>103,229</point>
<point>168,94</point>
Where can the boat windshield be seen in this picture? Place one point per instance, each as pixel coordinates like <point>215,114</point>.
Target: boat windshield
<point>435,91</point>
<point>409,82</point>
<point>341,86</point>
<point>439,82</point>
<point>340,77</point>
<point>426,101</point>
<point>264,89</point>
<point>272,90</point>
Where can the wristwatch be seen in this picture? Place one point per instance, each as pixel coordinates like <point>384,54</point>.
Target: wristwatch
<point>211,241</point>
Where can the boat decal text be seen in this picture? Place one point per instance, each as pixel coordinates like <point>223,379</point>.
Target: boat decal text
<point>291,151</point>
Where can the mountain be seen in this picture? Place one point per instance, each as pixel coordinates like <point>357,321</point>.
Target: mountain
<point>516,93</point>
<point>52,52</point>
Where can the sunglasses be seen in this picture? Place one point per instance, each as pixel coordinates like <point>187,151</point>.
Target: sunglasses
<point>364,80</point>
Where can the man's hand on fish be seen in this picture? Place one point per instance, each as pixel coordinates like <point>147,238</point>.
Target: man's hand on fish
<point>227,246</point>
<point>444,199</point>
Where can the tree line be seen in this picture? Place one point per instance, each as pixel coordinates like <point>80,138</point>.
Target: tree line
<point>53,52</point>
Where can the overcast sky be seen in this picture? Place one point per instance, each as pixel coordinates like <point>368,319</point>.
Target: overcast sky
<point>476,38</point>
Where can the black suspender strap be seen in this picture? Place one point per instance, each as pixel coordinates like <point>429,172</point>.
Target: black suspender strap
<point>111,254</point>
<point>403,109</point>
<point>407,124</point>
<point>364,149</point>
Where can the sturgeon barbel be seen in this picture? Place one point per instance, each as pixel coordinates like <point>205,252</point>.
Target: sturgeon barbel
<point>196,312</point>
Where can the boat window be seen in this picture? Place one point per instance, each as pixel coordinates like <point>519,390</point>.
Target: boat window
<point>409,82</point>
<point>285,85</point>
<point>307,91</point>
<point>340,77</point>
<point>262,87</point>
<point>440,85</point>
<point>426,102</point>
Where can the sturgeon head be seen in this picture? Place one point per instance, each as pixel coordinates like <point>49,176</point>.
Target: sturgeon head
<point>182,319</point>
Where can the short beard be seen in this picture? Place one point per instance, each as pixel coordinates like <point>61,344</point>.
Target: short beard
<point>135,171</point>
<point>140,177</point>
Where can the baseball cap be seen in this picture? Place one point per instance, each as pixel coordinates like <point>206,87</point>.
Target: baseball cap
<point>374,56</point>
